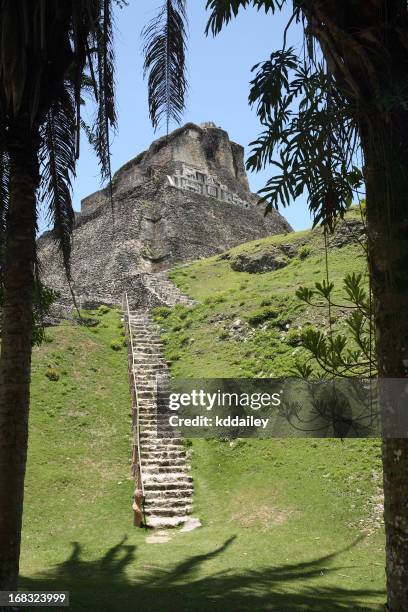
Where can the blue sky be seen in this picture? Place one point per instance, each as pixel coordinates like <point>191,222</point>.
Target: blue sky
<point>219,74</point>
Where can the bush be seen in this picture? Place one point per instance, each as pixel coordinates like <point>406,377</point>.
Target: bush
<point>183,340</point>
<point>52,374</point>
<point>215,299</point>
<point>161,312</point>
<point>261,315</point>
<point>115,345</point>
<point>293,337</point>
<point>103,309</point>
<point>304,251</point>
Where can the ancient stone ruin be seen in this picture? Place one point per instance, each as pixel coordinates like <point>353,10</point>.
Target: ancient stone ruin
<point>185,198</point>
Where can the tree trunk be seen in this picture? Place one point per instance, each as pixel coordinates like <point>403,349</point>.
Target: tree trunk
<point>15,360</point>
<point>386,156</point>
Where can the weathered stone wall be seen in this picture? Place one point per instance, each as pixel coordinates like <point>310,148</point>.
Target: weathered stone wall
<point>155,225</point>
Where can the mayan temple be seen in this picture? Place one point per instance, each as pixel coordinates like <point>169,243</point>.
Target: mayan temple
<point>185,198</point>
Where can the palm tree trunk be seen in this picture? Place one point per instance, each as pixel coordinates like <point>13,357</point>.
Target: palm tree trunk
<point>15,360</point>
<point>386,156</point>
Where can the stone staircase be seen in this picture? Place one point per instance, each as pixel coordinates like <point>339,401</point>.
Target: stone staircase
<point>168,486</point>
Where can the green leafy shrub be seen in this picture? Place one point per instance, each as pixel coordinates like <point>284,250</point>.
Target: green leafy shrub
<point>304,251</point>
<point>103,309</point>
<point>262,315</point>
<point>52,374</point>
<point>293,337</point>
<point>116,345</point>
<point>161,312</point>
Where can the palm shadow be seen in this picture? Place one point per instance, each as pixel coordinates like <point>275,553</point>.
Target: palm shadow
<point>106,585</point>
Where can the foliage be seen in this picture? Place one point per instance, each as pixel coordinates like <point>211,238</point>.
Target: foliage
<point>161,312</point>
<point>63,53</point>
<point>116,345</point>
<point>340,354</point>
<point>293,337</point>
<point>304,251</point>
<point>222,11</point>
<point>310,134</point>
<point>103,309</point>
<point>62,57</point>
<point>165,62</point>
<point>52,374</point>
<point>43,299</point>
<point>262,315</point>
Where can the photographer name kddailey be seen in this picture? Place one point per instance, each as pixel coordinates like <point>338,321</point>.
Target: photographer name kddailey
<point>229,421</point>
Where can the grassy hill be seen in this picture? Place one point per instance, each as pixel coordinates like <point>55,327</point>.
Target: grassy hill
<point>248,324</point>
<point>287,524</point>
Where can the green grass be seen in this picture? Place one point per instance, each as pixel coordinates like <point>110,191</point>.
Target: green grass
<point>287,524</point>
<point>201,341</point>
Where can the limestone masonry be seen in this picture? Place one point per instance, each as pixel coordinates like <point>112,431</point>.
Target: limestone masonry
<point>186,197</point>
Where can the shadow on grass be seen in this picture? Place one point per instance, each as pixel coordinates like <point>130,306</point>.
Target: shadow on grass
<point>103,585</point>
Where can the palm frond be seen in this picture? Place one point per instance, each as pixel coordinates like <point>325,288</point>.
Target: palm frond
<point>52,54</point>
<point>222,11</point>
<point>101,62</point>
<point>165,62</point>
<point>58,168</point>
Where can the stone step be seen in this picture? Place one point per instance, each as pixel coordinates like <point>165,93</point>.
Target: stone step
<point>177,511</point>
<point>166,521</point>
<point>173,479</point>
<point>166,454</point>
<point>154,424</point>
<point>169,502</point>
<point>154,418</point>
<point>159,438</point>
<point>161,448</point>
<point>148,351</point>
<point>171,468</point>
<point>166,487</point>
<point>179,462</point>
<point>161,431</point>
<point>165,497</point>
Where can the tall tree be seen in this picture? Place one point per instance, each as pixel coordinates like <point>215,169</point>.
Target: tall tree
<point>52,53</point>
<point>348,90</point>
